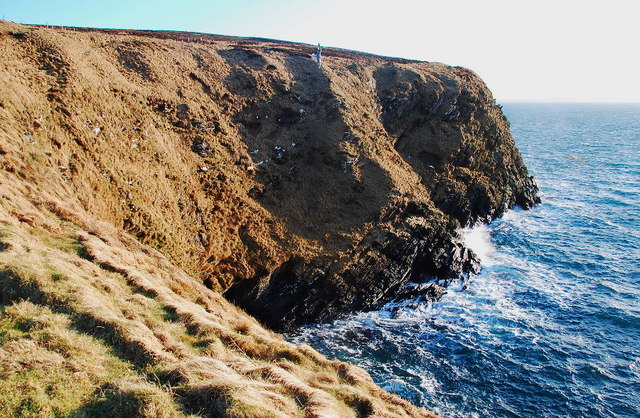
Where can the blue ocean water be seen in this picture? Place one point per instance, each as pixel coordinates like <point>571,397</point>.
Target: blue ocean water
<point>551,327</point>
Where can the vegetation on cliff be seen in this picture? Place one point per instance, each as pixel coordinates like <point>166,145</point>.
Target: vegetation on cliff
<point>144,174</point>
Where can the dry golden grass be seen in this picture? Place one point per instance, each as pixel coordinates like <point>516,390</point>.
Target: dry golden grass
<point>109,120</point>
<point>95,323</point>
<point>115,236</point>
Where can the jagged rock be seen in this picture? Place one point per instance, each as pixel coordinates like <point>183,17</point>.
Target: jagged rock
<point>201,146</point>
<point>182,111</point>
<point>416,294</point>
<point>299,292</point>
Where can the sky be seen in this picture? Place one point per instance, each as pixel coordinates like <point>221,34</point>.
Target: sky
<point>543,50</point>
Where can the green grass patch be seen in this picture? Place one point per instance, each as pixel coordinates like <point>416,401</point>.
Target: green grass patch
<point>47,368</point>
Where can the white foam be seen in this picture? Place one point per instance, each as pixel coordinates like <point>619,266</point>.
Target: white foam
<point>478,238</point>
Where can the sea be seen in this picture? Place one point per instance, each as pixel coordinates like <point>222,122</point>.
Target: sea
<point>551,326</point>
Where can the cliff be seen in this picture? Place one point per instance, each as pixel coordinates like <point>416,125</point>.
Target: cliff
<point>144,174</point>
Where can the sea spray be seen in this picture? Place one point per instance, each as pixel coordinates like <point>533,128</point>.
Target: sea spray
<point>551,325</point>
<point>478,238</point>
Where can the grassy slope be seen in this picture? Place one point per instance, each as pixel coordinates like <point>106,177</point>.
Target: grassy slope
<point>96,323</point>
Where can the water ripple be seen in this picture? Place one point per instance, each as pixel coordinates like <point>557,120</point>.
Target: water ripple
<point>551,326</point>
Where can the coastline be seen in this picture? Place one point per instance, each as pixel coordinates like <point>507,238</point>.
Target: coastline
<point>299,193</point>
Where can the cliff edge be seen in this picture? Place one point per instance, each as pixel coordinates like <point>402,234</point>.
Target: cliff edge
<point>145,174</point>
<point>97,165</point>
<point>286,186</point>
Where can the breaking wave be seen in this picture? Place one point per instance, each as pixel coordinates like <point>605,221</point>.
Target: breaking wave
<point>551,325</point>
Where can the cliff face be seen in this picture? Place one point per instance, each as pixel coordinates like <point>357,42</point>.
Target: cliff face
<point>298,192</point>
<point>96,162</point>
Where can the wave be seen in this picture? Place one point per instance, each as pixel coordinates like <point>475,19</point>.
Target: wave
<point>478,239</point>
<point>551,325</point>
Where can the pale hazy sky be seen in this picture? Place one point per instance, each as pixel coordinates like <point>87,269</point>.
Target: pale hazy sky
<point>543,50</point>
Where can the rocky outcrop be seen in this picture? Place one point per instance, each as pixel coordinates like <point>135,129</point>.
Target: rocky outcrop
<point>300,193</point>
<point>404,247</point>
<point>447,128</point>
<point>458,140</point>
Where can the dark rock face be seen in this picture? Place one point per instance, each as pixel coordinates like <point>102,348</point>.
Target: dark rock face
<point>458,140</point>
<point>446,127</point>
<point>454,136</point>
<point>405,248</point>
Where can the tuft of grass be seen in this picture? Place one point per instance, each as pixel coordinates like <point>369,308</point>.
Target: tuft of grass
<point>130,398</point>
<point>221,399</point>
<point>70,243</point>
<point>242,328</point>
<point>46,369</point>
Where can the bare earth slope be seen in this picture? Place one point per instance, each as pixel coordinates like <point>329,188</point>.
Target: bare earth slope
<point>300,193</point>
